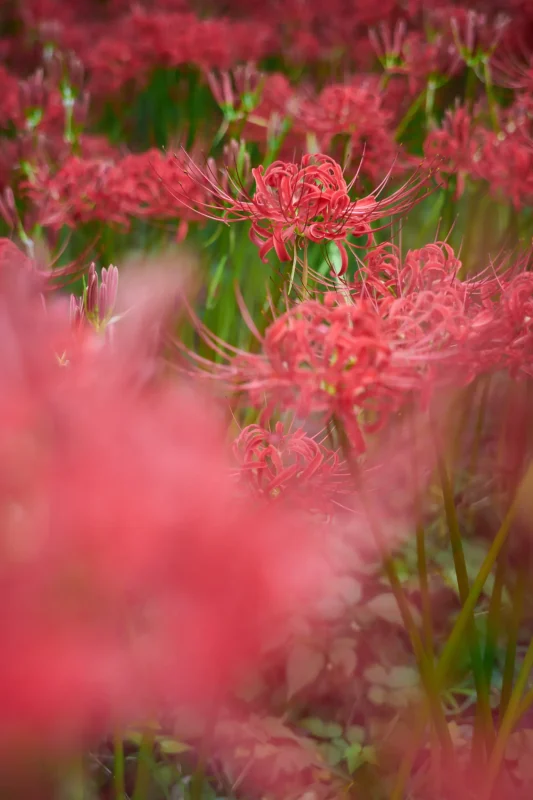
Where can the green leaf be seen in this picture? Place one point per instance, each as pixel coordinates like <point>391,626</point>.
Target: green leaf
<point>385,607</point>
<point>353,757</point>
<point>402,678</point>
<point>321,729</point>
<point>331,754</point>
<point>315,726</point>
<point>343,655</point>
<point>215,281</point>
<point>171,747</point>
<point>355,734</point>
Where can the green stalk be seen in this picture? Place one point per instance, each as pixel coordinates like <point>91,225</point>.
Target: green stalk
<point>494,616</point>
<point>463,583</point>
<point>409,114</point>
<point>305,271</point>
<point>512,641</point>
<point>470,89</point>
<point>508,723</point>
<point>75,783</point>
<point>525,705</point>
<point>119,768</point>
<point>427,621</point>
<point>425,666</point>
<point>142,779</point>
<point>489,89</point>
<point>398,791</point>
<point>461,623</point>
<point>427,617</point>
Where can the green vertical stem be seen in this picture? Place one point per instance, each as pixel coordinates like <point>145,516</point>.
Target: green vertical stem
<point>470,88</point>
<point>427,621</point>
<point>489,89</point>
<point>75,783</point>
<point>427,618</point>
<point>507,725</point>
<point>119,768</point>
<point>305,271</point>
<point>512,640</point>
<point>494,616</point>
<point>525,705</point>
<point>410,113</point>
<point>144,759</point>
<point>430,100</point>
<point>425,666</point>
<point>483,696</point>
<point>404,770</point>
<point>461,623</point>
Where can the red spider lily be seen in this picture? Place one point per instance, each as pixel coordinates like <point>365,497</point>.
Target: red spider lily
<point>386,273</point>
<point>333,359</point>
<point>52,276</point>
<point>458,143</point>
<point>476,35</point>
<point>309,201</point>
<point>355,109</point>
<point>285,462</point>
<point>98,301</point>
<point>131,573</point>
<point>511,64</point>
<point>388,42</point>
<point>237,91</point>
<point>411,53</point>
<point>416,330</point>
<point>113,191</point>
<point>470,149</point>
<point>9,107</point>
<point>145,40</point>
<point>506,158</point>
<point>517,310</point>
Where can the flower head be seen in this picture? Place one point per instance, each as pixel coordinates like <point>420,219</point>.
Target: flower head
<point>132,572</point>
<point>290,463</point>
<point>308,201</point>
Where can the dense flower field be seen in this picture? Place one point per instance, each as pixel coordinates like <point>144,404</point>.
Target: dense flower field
<point>266,371</point>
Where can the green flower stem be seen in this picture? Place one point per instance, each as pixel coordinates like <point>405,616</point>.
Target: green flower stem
<point>483,694</point>
<point>404,771</point>
<point>427,617</point>
<point>510,653</point>
<point>525,705</point>
<point>425,666</point>
<point>494,616</point>
<point>144,763</point>
<point>119,768</point>
<point>409,114</point>
<point>427,621</point>
<point>463,619</point>
<point>470,89</point>
<point>507,725</point>
<point>489,90</point>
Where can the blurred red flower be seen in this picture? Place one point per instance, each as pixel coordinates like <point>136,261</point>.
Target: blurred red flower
<point>131,572</point>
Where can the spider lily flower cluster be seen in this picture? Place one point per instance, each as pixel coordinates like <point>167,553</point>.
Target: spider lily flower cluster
<point>129,563</point>
<point>309,201</point>
<point>295,499</point>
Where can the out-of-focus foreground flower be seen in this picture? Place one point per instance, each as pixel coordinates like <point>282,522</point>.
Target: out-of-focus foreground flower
<point>132,574</point>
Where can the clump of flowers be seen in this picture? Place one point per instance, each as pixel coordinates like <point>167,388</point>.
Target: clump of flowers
<point>290,463</point>
<point>309,201</point>
<point>132,572</point>
<point>299,511</point>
